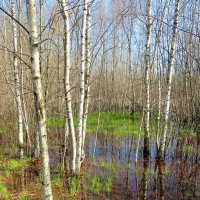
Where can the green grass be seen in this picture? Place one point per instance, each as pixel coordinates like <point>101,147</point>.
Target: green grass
<point>55,122</point>
<point>74,185</point>
<point>25,197</point>
<point>185,132</point>
<point>1,130</point>
<point>108,185</point>
<point>15,166</point>
<point>116,123</point>
<point>95,184</point>
<point>4,193</point>
<point>188,149</point>
<point>108,165</point>
<point>57,181</point>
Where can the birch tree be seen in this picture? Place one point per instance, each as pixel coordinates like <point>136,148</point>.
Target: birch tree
<point>17,83</point>
<point>39,100</point>
<point>69,123</point>
<point>169,81</point>
<point>147,81</point>
<point>21,72</point>
<point>5,31</point>
<point>157,43</point>
<point>87,74</point>
<point>82,91</point>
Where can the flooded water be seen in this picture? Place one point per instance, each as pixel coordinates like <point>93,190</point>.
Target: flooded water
<point>110,172</point>
<point>176,178</point>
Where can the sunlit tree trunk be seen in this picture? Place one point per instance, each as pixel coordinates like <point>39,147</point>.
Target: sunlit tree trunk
<point>82,90</point>
<point>169,82</point>
<point>17,84</point>
<point>5,32</point>
<point>69,123</point>
<point>21,66</point>
<point>147,81</point>
<point>157,43</point>
<point>87,75</point>
<point>41,32</point>
<point>39,100</point>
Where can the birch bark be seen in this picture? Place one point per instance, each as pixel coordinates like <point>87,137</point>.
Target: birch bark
<point>160,29</point>
<point>39,100</point>
<point>87,74</point>
<point>17,83</point>
<point>69,123</point>
<point>21,71</point>
<point>82,91</point>
<point>169,81</point>
<point>147,82</point>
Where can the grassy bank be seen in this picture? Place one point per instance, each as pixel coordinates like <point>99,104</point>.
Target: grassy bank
<point>117,123</point>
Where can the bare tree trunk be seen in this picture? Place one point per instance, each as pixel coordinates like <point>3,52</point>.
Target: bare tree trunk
<point>39,100</point>
<point>158,36</point>
<point>87,75</point>
<point>59,68</point>
<point>24,108</point>
<point>69,116</point>
<point>37,140</point>
<point>147,82</point>
<point>41,32</point>
<point>169,81</point>
<point>5,33</point>
<point>82,91</point>
<point>17,84</point>
<point>159,102</point>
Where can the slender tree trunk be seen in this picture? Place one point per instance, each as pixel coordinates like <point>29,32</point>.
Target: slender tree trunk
<point>24,108</point>
<point>147,82</point>
<point>39,100</point>
<point>17,84</point>
<point>87,75</point>
<point>159,102</point>
<point>169,82</point>
<point>36,130</point>
<point>37,139</point>
<point>160,29</point>
<point>5,33</point>
<point>82,91</point>
<point>41,32</point>
<point>59,68</point>
<point>69,116</point>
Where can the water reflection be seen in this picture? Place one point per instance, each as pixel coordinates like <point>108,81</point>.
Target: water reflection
<point>110,172</point>
<point>178,175</point>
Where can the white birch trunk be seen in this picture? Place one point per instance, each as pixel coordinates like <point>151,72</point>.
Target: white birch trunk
<point>5,33</point>
<point>39,100</point>
<point>17,84</point>
<point>41,33</point>
<point>87,75</point>
<point>68,100</point>
<point>24,110</point>
<point>169,81</point>
<point>82,91</point>
<point>160,29</point>
<point>147,81</point>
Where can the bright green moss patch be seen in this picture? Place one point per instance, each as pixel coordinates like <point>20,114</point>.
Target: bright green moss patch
<point>115,123</point>
<point>4,193</point>
<point>57,180</point>
<point>55,122</point>
<point>188,148</point>
<point>1,130</point>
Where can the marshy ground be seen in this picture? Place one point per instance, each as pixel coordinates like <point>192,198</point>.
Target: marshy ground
<point>110,170</point>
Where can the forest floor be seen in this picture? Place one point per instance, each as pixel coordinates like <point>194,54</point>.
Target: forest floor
<point>109,170</point>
